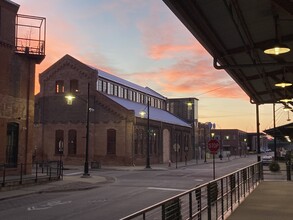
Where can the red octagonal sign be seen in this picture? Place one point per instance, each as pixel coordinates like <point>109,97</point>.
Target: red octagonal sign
<point>213,146</point>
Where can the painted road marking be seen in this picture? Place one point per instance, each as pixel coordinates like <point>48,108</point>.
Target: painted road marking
<point>167,189</point>
<point>47,205</point>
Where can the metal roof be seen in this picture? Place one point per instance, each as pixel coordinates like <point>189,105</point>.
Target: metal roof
<point>154,113</point>
<point>125,83</point>
<point>282,132</point>
<point>235,33</point>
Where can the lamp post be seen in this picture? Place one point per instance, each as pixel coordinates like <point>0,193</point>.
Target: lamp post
<point>148,138</point>
<point>191,104</point>
<point>69,101</point>
<point>142,113</point>
<point>86,163</point>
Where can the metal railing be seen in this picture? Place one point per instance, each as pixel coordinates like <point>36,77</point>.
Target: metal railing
<point>19,175</point>
<point>213,200</point>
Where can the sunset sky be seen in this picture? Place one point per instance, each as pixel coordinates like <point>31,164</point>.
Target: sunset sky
<point>142,41</point>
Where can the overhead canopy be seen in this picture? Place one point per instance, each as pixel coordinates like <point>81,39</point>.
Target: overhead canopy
<point>236,32</point>
<point>284,132</point>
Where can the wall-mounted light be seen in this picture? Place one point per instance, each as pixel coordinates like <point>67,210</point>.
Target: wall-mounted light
<point>69,98</point>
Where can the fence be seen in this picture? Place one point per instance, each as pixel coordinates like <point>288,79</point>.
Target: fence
<point>212,200</point>
<point>40,172</point>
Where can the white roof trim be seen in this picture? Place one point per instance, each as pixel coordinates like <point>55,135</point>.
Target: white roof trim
<point>154,114</point>
<point>128,84</point>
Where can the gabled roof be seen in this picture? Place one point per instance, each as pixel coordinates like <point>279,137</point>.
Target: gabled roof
<point>66,60</point>
<point>235,33</point>
<point>154,114</point>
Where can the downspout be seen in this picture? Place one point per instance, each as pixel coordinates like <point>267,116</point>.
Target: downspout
<point>258,134</point>
<point>275,133</point>
<point>27,114</point>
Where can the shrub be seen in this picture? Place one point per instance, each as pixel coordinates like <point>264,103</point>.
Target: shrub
<point>274,166</point>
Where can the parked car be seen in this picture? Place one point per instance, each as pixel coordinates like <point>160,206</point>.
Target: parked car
<point>267,159</point>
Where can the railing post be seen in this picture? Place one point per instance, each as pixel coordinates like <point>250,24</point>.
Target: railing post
<point>190,205</point>
<point>43,167</point>
<point>238,188</point>
<point>4,173</point>
<point>20,181</point>
<point>163,211</point>
<point>198,198</point>
<point>222,197</point>
<point>36,180</point>
<point>209,202</point>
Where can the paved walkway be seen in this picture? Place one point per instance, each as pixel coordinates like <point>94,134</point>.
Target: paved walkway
<point>271,200</point>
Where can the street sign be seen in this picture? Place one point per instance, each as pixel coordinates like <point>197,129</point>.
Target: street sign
<point>213,146</point>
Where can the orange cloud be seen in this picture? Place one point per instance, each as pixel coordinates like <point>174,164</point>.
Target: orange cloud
<point>189,77</point>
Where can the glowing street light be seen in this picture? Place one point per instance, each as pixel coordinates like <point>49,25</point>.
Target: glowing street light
<point>142,114</point>
<point>69,99</point>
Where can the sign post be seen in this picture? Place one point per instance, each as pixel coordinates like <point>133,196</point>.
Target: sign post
<point>214,146</point>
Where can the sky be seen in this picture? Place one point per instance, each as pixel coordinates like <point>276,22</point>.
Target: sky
<point>143,42</point>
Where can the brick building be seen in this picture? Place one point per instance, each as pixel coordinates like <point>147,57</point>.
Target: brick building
<point>19,55</point>
<point>117,134</point>
<point>232,141</point>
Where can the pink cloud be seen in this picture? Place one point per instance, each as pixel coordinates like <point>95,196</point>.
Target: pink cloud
<point>190,77</point>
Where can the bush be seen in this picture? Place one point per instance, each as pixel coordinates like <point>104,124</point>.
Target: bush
<point>274,166</point>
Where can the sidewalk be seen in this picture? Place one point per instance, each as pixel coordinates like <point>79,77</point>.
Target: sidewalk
<point>271,200</point>
<point>74,182</point>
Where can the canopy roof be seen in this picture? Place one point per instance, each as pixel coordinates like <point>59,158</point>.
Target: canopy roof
<point>236,33</point>
<point>284,132</point>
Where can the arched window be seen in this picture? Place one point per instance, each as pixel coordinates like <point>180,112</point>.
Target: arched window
<point>59,140</point>
<point>111,141</point>
<point>12,144</point>
<point>59,87</point>
<point>73,85</point>
<point>71,142</point>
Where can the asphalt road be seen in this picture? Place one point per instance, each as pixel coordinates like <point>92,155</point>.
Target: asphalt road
<point>129,192</point>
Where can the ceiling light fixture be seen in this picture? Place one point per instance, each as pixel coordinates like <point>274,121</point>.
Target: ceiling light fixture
<point>286,100</point>
<point>287,108</point>
<point>278,48</point>
<point>283,83</point>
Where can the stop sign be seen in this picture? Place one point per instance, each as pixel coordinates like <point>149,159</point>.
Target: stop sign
<point>213,146</point>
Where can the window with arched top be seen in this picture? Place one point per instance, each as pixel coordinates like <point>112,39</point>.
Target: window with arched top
<point>111,141</point>
<point>59,86</point>
<point>59,140</point>
<point>12,144</point>
<point>72,142</point>
<point>74,86</point>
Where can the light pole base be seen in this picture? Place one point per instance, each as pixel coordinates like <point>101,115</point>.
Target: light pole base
<point>86,175</point>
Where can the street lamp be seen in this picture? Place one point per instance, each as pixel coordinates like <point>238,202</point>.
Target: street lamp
<point>142,113</point>
<point>70,98</point>
<point>191,104</point>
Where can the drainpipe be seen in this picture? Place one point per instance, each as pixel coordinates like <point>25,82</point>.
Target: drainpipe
<point>258,134</point>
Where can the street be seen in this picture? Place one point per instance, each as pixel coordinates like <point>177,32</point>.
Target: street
<point>130,191</point>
